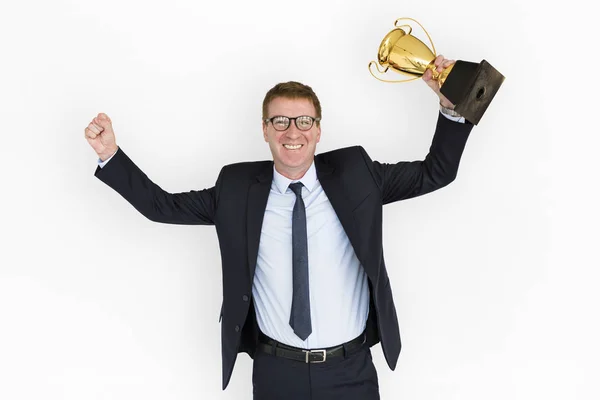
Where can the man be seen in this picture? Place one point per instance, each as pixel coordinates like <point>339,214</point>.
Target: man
<point>305,288</point>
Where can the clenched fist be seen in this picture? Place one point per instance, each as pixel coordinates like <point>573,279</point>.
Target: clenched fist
<point>441,64</point>
<point>100,135</point>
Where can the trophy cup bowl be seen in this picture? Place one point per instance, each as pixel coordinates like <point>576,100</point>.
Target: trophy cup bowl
<point>469,86</point>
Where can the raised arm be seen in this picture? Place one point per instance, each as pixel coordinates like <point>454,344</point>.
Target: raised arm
<point>404,180</point>
<point>196,207</point>
<point>407,179</point>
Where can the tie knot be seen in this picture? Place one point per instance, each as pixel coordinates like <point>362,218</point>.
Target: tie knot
<point>297,188</point>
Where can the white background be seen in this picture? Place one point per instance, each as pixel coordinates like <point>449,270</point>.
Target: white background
<point>494,277</point>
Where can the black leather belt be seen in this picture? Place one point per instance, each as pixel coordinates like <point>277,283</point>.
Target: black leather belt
<point>278,349</point>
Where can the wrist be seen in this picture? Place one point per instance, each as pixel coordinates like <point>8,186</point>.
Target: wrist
<point>105,155</point>
<point>446,104</point>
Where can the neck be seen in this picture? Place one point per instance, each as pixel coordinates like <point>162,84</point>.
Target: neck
<point>293,173</point>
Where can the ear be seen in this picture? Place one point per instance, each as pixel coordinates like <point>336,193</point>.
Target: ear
<point>318,139</point>
<point>264,127</point>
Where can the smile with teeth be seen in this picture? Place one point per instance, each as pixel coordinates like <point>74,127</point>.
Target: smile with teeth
<point>292,147</point>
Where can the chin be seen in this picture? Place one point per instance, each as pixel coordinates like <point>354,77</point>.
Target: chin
<point>294,163</point>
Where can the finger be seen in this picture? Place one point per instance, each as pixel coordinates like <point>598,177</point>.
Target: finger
<point>90,134</point>
<point>438,60</point>
<point>103,118</point>
<point>445,64</point>
<point>427,75</point>
<point>100,128</point>
<point>440,67</point>
<point>94,128</point>
<point>102,123</point>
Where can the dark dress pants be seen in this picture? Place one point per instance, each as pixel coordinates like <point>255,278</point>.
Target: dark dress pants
<point>349,378</point>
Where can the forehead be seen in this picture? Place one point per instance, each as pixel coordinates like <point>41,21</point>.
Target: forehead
<point>291,107</point>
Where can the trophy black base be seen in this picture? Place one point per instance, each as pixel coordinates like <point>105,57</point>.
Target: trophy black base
<point>471,88</point>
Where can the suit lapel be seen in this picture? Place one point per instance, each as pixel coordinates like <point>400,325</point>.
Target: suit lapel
<point>343,202</point>
<point>258,195</point>
<point>336,193</point>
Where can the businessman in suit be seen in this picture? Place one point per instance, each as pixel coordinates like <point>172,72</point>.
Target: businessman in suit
<point>305,287</point>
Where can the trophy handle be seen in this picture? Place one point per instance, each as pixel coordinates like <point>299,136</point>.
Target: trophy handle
<point>404,26</point>
<point>424,30</point>
<point>384,71</point>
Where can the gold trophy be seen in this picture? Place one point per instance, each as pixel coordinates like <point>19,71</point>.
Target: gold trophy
<point>469,86</point>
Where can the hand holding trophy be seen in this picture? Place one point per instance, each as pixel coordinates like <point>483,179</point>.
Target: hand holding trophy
<point>439,64</point>
<point>469,86</point>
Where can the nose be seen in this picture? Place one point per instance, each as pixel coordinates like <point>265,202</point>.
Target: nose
<point>292,131</point>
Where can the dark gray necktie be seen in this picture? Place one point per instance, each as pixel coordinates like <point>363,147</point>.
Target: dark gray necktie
<point>300,315</point>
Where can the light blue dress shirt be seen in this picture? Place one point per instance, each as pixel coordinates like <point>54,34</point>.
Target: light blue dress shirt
<point>339,292</point>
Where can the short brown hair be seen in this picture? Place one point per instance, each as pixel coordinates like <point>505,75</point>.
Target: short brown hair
<point>291,90</point>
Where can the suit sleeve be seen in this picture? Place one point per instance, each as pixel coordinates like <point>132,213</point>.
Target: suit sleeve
<point>404,180</point>
<point>196,207</point>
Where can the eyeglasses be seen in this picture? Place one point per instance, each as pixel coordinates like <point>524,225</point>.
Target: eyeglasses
<point>281,123</point>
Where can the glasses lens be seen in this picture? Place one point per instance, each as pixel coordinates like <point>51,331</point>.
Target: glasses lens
<point>304,122</point>
<point>280,123</point>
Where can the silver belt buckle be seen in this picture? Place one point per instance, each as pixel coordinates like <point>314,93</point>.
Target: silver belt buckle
<point>309,352</point>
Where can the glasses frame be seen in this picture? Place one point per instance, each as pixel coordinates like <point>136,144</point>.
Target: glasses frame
<point>313,119</point>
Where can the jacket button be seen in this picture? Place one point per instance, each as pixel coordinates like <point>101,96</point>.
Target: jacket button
<point>237,328</point>
<point>245,298</point>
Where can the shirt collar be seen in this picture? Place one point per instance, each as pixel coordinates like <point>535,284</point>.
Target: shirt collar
<point>308,180</point>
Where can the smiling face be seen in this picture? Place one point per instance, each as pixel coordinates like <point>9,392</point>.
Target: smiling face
<point>290,160</point>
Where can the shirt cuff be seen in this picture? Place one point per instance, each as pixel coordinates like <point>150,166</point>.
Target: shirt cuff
<point>455,118</point>
<point>101,163</point>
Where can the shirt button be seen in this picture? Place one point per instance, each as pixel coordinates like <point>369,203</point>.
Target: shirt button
<point>237,328</point>
<point>245,298</point>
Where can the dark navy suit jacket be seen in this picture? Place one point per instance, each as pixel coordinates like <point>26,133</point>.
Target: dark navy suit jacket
<point>357,188</point>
